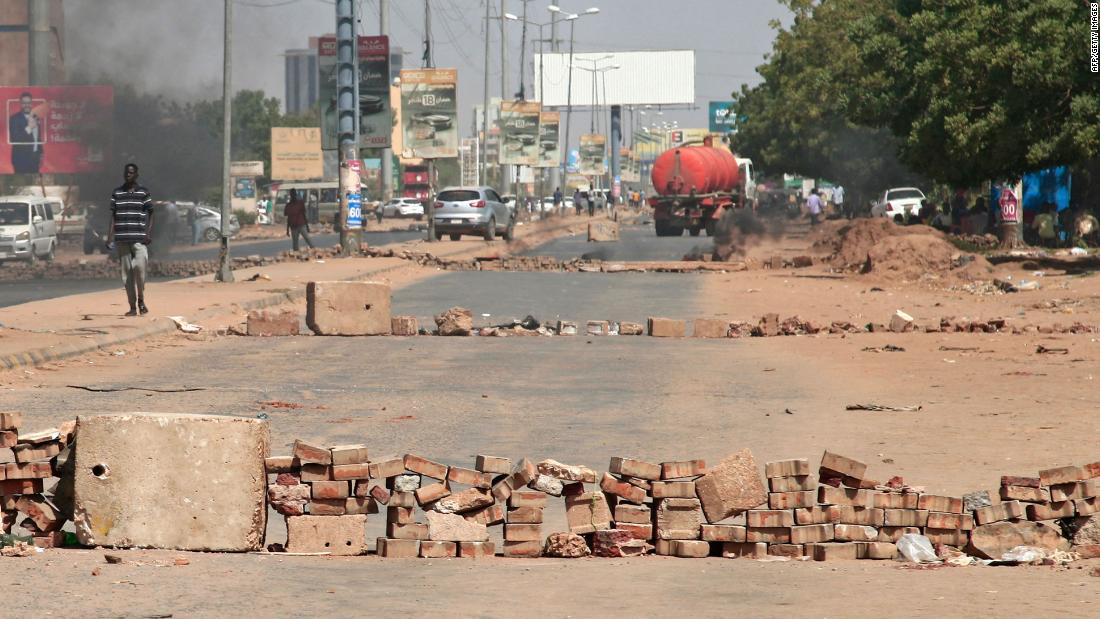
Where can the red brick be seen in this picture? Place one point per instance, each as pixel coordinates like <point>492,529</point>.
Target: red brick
<point>949,537</point>
<point>673,490</point>
<point>328,507</point>
<point>11,420</point>
<point>683,468</point>
<point>906,517</point>
<point>938,520</point>
<point>397,548</point>
<point>611,485</point>
<point>1091,470</point>
<point>438,550</point>
<point>378,493</point>
<point>792,551</point>
<point>587,512</point>
<point>287,479</point>
<point>387,467</point>
<point>791,500</point>
<point>877,550</point>
<point>29,470</point>
<point>835,552</point>
<point>402,499</point>
<point>316,472</point>
<point>811,533</point>
<point>994,513</point>
<point>487,515</point>
<point>734,550</point>
<point>475,550</point>
<point>854,533</point>
<point>412,530</point>
<point>523,473</point>
<point>45,517</point>
<point>525,515</point>
<point>523,532</point>
<point>27,452</point>
<point>894,500</point>
<point>771,535</point>
<point>1029,482</point>
<point>360,505</point>
<point>637,531</point>
<point>1050,511</point>
<point>634,514</point>
<point>349,454</point>
<point>843,465</point>
<point>818,514</point>
<point>433,492</point>
<point>267,323</point>
<point>350,471</point>
<point>893,534</point>
<point>426,467</point>
<point>787,468</point>
<point>527,498</point>
<point>311,454</point>
<point>470,477</point>
<point>770,518</point>
<point>946,504</point>
<point>493,464</point>
<point>1087,507</point>
<point>844,496</point>
<point>502,490</point>
<point>401,515</point>
<point>631,467</point>
<point>1061,475</point>
<point>690,549</point>
<point>666,327</point>
<point>8,438</point>
<point>329,490</point>
<point>518,549</point>
<point>1027,494</point>
<point>1075,490</point>
<point>792,484</point>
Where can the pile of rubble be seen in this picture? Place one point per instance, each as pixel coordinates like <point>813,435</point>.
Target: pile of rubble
<point>38,456</point>
<point>680,508</point>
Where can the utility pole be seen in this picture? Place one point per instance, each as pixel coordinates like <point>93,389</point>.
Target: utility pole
<point>347,111</point>
<point>225,273</point>
<point>387,153</point>
<point>39,22</point>
<point>429,64</point>
<point>555,172</point>
<point>569,95</point>
<point>484,137</point>
<point>505,173</point>
<point>522,95</point>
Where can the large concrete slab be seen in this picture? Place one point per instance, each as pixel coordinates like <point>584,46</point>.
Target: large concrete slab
<point>159,480</point>
<point>348,308</point>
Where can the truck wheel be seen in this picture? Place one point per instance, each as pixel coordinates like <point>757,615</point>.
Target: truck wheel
<point>661,227</point>
<point>455,237</point>
<point>711,227</point>
<point>439,236</point>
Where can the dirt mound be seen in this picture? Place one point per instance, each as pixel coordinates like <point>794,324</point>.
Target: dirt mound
<point>883,248</point>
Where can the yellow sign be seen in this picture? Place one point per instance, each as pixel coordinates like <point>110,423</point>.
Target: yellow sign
<point>296,154</point>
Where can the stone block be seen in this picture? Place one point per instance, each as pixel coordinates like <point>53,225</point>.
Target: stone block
<point>690,549</point>
<point>843,465</point>
<point>404,326</point>
<point>683,468</point>
<point>791,500</point>
<point>456,321</point>
<point>476,550</point>
<point>438,550</point>
<point>877,550</point>
<point>836,552</point>
<point>525,515</point>
<point>631,328</point>
<point>723,533</point>
<point>666,327</point>
<point>348,308</point>
<point>854,533</point>
<point>1061,475</point>
<point>800,483</point>
<point>769,325</point>
<point>770,518</point>
<point>731,487</point>
<point>991,541</point>
<point>211,467</point>
<point>976,500</point>
<point>635,514</point>
<point>566,472</point>
<point>397,548</point>
<point>493,464</point>
<point>465,501</point>
<point>710,328</point>
<point>601,231</point>
<point>787,468</point>
<point>522,550</point>
<point>901,322</point>
<point>678,518</point>
<point>736,550</point>
<point>340,535</point>
<point>771,535</point>
<point>566,327</point>
<point>597,327</point>
<point>454,528</point>
<point>811,533</point>
<point>404,483</point>
<point>587,512</point>
<point>547,484</point>
<point>268,323</point>
<point>565,546</point>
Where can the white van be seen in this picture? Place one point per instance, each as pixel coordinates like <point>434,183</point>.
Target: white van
<point>28,230</point>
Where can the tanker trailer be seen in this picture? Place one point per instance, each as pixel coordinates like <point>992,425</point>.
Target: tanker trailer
<point>694,185</point>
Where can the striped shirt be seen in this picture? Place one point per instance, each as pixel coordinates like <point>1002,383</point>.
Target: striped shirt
<point>131,209</point>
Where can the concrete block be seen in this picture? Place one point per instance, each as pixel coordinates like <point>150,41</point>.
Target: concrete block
<point>404,325</point>
<point>603,231</point>
<point>731,487</point>
<point>348,308</point>
<point>667,327</point>
<point>182,482</point>
<point>340,535</point>
<point>710,328</point>
<point>267,323</point>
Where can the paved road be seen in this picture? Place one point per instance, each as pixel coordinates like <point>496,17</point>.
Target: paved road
<point>16,292</point>
<point>635,243</point>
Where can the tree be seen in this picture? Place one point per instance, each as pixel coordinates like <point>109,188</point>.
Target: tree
<point>978,89</point>
<point>796,120</point>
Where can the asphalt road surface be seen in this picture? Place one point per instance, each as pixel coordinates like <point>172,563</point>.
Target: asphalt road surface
<point>636,243</point>
<point>209,251</point>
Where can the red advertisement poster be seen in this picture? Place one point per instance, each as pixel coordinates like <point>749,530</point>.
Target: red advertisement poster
<point>55,129</point>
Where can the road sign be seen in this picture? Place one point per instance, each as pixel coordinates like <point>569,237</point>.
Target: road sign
<point>1010,206</point>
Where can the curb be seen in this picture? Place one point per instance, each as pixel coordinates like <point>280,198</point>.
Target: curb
<point>38,356</point>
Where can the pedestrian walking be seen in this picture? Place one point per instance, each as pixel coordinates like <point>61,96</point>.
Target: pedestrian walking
<point>558,197</point>
<point>814,207</point>
<point>131,231</point>
<point>296,224</point>
<point>838,200</point>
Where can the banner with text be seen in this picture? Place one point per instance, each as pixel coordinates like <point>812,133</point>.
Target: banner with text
<point>296,154</point>
<point>375,115</point>
<point>56,129</point>
<point>549,149</point>
<point>593,149</point>
<point>429,113</point>
<point>519,126</point>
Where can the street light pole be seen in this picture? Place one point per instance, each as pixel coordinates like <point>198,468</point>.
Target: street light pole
<point>484,137</point>
<point>572,19</point>
<point>225,273</point>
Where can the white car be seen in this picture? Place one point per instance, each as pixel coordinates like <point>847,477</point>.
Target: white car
<point>403,207</point>
<point>897,202</point>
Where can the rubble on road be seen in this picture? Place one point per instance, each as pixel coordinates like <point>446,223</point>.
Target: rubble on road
<point>24,491</point>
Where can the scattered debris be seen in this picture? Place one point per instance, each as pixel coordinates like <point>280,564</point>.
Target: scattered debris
<point>1043,350</point>
<point>185,326</point>
<point>882,407</point>
<point>886,348</point>
<point>150,389</point>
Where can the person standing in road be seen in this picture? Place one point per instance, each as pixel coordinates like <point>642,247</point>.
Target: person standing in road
<point>814,207</point>
<point>193,224</point>
<point>296,224</point>
<point>838,200</point>
<point>131,231</point>
<point>558,197</point>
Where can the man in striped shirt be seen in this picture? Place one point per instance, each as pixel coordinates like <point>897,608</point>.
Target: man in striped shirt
<point>132,231</point>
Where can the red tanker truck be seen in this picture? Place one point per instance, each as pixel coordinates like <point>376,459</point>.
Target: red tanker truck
<point>695,185</point>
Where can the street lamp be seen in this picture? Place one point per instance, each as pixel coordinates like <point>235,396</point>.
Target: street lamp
<point>512,17</point>
<point>572,19</point>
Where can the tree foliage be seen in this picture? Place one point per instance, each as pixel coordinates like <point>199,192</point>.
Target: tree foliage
<point>962,91</point>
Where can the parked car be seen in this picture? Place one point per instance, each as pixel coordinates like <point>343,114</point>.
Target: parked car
<point>210,221</point>
<point>473,210</point>
<point>28,230</point>
<point>897,202</point>
<point>403,207</point>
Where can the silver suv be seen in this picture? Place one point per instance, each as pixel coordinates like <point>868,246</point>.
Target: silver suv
<point>472,210</point>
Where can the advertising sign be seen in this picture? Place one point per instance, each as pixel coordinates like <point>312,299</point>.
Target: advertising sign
<point>375,117</point>
<point>593,147</point>
<point>722,119</point>
<point>246,168</point>
<point>429,113</point>
<point>1010,206</point>
<point>549,148</point>
<point>519,127</point>
<point>296,154</point>
<point>56,129</point>
<point>355,202</point>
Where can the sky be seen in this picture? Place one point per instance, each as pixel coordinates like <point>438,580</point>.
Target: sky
<point>174,47</point>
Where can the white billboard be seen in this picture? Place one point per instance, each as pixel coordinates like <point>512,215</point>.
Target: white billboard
<point>642,78</point>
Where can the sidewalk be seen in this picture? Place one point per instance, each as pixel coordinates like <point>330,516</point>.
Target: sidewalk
<point>60,328</point>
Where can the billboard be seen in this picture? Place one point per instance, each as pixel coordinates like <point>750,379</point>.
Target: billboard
<point>429,113</point>
<point>722,118</point>
<point>375,118</point>
<point>593,147</point>
<point>56,129</point>
<point>549,147</point>
<point>296,154</point>
<point>631,78</point>
<point>519,127</point>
